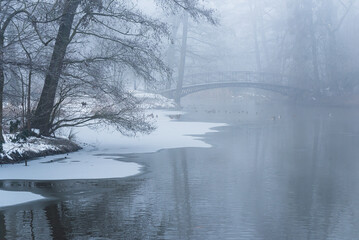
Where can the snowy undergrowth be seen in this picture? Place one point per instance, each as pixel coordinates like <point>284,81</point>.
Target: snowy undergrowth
<point>31,144</point>
<point>21,149</point>
<point>154,101</point>
<point>78,106</point>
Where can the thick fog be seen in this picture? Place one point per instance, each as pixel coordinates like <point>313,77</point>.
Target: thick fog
<point>179,119</point>
<point>313,42</point>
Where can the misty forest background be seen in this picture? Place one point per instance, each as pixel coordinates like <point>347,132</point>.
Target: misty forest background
<point>67,63</point>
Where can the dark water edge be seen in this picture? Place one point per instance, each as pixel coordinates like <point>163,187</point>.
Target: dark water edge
<point>276,172</point>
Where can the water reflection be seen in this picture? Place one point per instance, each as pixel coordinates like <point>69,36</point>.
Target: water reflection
<point>291,178</point>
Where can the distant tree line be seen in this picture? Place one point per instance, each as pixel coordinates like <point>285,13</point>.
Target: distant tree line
<point>313,42</point>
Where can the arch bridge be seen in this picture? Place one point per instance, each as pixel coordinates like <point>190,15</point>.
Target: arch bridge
<point>261,80</point>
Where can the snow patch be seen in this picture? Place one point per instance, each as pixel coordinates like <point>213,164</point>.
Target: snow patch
<point>8,198</point>
<point>169,134</point>
<point>79,165</point>
<point>90,163</point>
<point>31,144</point>
<point>154,101</point>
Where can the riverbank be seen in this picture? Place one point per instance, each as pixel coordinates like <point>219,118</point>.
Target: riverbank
<point>101,157</point>
<point>33,147</point>
<point>103,149</point>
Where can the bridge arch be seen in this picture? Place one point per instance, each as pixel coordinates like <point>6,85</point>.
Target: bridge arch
<point>274,82</point>
<point>187,90</point>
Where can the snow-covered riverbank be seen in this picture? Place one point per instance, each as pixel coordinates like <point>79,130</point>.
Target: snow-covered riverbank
<point>19,147</point>
<point>15,152</point>
<point>90,163</point>
<point>169,134</point>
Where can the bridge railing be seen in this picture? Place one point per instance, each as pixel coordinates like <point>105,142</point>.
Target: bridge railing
<point>239,76</point>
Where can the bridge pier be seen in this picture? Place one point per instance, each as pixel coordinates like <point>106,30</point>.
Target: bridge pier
<point>177,98</point>
<point>178,103</point>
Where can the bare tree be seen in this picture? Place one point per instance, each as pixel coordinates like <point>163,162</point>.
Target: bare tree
<point>11,11</point>
<point>136,35</point>
<point>45,105</point>
<point>183,58</point>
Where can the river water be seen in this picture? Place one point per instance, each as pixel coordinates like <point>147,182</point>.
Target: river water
<point>280,172</point>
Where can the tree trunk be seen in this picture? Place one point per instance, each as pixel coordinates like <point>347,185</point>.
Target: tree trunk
<point>316,84</point>
<point>183,59</point>
<point>44,108</point>
<point>2,74</point>
<point>314,46</point>
<point>172,50</point>
<point>300,53</point>
<point>263,36</point>
<point>28,112</point>
<point>2,81</point>
<point>331,51</point>
<point>332,67</point>
<point>255,36</point>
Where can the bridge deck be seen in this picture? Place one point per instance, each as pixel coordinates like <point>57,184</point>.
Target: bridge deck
<point>267,81</point>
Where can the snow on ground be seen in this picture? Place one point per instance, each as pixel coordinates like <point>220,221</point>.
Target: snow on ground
<point>87,164</point>
<point>153,100</point>
<point>149,101</point>
<point>8,198</point>
<point>32,143</point>
<point>79,165</point>
<point>169,134</point>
